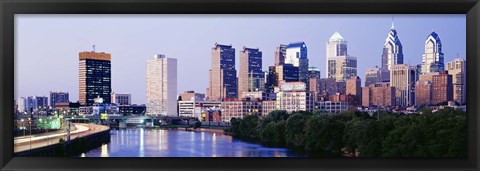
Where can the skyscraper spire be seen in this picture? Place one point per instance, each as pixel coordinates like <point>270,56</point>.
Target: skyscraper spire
<point>393,23</point>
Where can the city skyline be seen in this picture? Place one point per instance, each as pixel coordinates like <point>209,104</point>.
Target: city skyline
<point>65,77</point>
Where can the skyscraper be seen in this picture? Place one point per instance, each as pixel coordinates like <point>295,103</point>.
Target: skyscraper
<point>162,86</point>
<point>250,75</point>
<point>280,53</point>
<point>402,78</point>
<point>222,75</point>
<point>297,56</point>
<point>392,50</point>
<point>94,77</point>
<point>457,69</point>
<point>432,59</point>
<point>340,65</point>
<point>58,97</point>
<point>442,88</point>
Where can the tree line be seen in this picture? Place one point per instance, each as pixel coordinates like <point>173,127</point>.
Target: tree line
<point>381,134</point>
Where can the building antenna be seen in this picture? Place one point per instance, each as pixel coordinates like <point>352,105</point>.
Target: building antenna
<point>93,48</point>
<point>393,23</point>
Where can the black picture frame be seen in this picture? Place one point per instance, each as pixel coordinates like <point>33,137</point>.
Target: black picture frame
<point>8,8</point>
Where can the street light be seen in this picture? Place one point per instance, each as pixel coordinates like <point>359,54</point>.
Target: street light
<point>30,130</point>
<point>23,126</point>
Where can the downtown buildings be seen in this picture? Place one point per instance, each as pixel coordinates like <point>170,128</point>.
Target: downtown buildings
<point>161,86</point>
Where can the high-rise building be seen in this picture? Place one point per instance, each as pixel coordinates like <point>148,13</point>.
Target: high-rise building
<point>162,86</point>
<point>340,65</point>
<point>58,97</point>
<point>121,99</point>
<point>280,53</point>
<point>21,104</point>
<point>250,75</point>
<point>35,103</point>
<point>392,50</point>
<point>442,88</point>
<point>271,79</point>
<point>354,88</point>
<point>402,77</point>
<point>297,56</point>
<point>423,89</point>
<point>457,69</point>
<point>94,77</point>
<point>432,59</point>
<point>379,94</point>
<point>374,75</point>
<point>222,75</point>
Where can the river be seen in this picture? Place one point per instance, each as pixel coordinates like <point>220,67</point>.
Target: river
<point>142,142</point>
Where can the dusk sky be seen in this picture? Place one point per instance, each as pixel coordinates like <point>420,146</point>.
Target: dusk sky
<point>47,46</point>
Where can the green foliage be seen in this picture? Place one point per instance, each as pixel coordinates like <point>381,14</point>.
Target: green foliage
<point>381,134</point>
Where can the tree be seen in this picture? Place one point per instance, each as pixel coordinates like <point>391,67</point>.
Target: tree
<point>197,124</point>
<point>294,131</point>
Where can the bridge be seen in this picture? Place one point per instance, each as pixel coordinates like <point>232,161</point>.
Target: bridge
<point>122,121</point>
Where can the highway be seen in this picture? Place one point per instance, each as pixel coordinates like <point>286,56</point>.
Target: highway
<point>36,141</point>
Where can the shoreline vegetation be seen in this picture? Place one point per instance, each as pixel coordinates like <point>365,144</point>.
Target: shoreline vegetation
<point>359,134</point>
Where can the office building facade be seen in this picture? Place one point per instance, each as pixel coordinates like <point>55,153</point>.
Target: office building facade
<point>95,75</point>
<point>392,50</point>
<point>457,68</point>
<point>250,76</point>
<point>297,56</point>
<point>161,86</point>
<point>222,75</point>
<point>432,59</point>
<point>402,77</point>
<point>340,65</point>
<point>58,97</point>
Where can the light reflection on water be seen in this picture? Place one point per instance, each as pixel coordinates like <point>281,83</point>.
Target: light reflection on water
<point>141,142</point>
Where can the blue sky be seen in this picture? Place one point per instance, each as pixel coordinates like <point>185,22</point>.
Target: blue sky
<point>47,46</point>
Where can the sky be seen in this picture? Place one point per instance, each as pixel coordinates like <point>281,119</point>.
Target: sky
<point>47,46</point>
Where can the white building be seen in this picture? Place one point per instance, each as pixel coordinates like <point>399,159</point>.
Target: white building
<point>331,106</point>
<point>21,104</point>
<point>196,108</point>
<point>340,65</point>
<point>162,86</point>
<point>402,77</point>
<point>432,59</point>
<point>294,97</point>
<point>121,99</point>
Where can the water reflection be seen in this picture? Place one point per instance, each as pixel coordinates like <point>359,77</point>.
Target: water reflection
<point>140,142</point>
